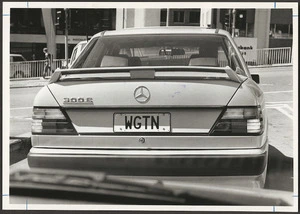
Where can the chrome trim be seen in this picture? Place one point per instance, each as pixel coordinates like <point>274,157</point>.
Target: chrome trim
<point>183,130</point>
<point>92,141</point>
<point>111,153</point>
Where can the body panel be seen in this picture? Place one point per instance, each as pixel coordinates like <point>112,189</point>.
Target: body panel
<point>121,93</point>
<point>151,142</point>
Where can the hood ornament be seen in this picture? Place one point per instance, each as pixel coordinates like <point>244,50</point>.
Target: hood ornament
<point>142,94</point>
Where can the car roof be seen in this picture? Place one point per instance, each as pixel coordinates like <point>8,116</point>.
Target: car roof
<point>163,30</point>
<point>16,55</point>
<point>82,42</point>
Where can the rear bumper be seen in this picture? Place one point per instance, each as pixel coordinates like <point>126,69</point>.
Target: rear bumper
<point>226,165</point>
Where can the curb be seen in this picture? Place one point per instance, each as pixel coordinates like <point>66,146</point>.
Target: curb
<point>19,148</point>
<point>31,78</point>
<point>27,86</point>
<point>270,66</point>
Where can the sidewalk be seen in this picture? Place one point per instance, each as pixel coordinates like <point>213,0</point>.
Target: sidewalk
<point>28,82</point>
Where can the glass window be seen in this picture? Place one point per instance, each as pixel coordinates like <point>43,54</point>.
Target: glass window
<point>281,31</point>
<point>90,21</point>
<point>73,55</point>
<point>158,50</point>
<point>178,16</point>
<point>250,29</point>
<point>18,59</point>
<point>194,17</point>
<point>26,21</point>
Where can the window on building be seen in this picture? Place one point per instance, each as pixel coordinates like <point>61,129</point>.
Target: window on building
<point>178,16</point>
<point>281,31</point>
<point>90,21</point>
<point>250,30</point>
<point>31,51</point>
<point>26,21</point>
<point>194,17</point>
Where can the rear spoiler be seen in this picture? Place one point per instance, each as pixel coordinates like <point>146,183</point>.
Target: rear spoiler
<point>146,72</point>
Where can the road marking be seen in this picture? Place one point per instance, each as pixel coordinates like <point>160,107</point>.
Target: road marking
<point>277,92</point>
<point>279,102</point>
<point>282,108</point>
<point>288,107</point>
<point>18,108</point>
<point>275,105</point>
<point>284,112</point>
<point>21,118</point>
<point>266,84</point>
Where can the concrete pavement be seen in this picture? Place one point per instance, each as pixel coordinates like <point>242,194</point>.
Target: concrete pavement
<point>28,82</point>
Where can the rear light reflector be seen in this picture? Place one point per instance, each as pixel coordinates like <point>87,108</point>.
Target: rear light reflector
<point>240,121</point>
<point>50,121</point>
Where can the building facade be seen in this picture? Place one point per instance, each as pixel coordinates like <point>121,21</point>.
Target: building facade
<point>33,29</point>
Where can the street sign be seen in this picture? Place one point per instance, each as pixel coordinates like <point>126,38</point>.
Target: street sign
<point>247,47</point>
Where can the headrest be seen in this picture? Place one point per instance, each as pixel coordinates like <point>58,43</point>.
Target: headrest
<point>134,61</point>
<point>202,61</point>
<point>114,61</point>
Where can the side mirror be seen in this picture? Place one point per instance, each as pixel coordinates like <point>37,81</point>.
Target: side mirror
<point>255,78</point>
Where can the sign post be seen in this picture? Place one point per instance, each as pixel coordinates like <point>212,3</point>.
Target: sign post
<point>233,22</point>
<point>66,37</point>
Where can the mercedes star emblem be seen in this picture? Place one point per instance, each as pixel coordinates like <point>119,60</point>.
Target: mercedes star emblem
<point>142,94</point>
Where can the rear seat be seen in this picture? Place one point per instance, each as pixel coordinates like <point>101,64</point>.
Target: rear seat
<point>134,61</point>
<point>114,61</point>
<point>197,60</point>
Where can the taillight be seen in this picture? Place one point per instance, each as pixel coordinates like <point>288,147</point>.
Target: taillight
<point>240,121</point>
<point>50,121</point>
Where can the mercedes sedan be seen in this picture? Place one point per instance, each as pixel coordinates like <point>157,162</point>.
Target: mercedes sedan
<point>168,102</point>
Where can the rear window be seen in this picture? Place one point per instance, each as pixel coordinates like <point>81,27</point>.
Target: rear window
<point>18,59</point>
<point>158,50</point>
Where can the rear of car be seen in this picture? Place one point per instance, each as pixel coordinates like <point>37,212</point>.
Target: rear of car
<point>165,102</point>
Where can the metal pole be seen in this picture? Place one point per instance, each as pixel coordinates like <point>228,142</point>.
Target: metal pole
<point>66,37</point>
<point>233,21</point>
<point>168,13</point>
<point>86,26</point>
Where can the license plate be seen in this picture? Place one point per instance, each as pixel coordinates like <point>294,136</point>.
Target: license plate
<point>154,122</point>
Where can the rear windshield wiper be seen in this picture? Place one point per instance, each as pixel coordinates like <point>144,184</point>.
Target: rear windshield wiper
<point>99,187</point>
<point>89,186</point>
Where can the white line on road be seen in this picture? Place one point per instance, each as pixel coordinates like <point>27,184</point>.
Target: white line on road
<point>288,107</point>
<point>21,118</point>
<point>274,105</point>
<point>18,108</point>
<point>277,92</point>
<point>279,102</point>
<point>284,112</point>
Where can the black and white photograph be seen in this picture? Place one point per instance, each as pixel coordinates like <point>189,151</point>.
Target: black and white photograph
<point>150,106</point>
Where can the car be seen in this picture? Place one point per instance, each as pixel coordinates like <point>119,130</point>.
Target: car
<point>18,66</point>
<point>76,51</point>
<point>124,109</point>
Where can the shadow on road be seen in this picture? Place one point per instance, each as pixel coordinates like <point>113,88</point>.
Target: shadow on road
<point>280,171</point>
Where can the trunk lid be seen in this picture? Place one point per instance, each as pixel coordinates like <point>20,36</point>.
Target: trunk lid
<point>191,106</point>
